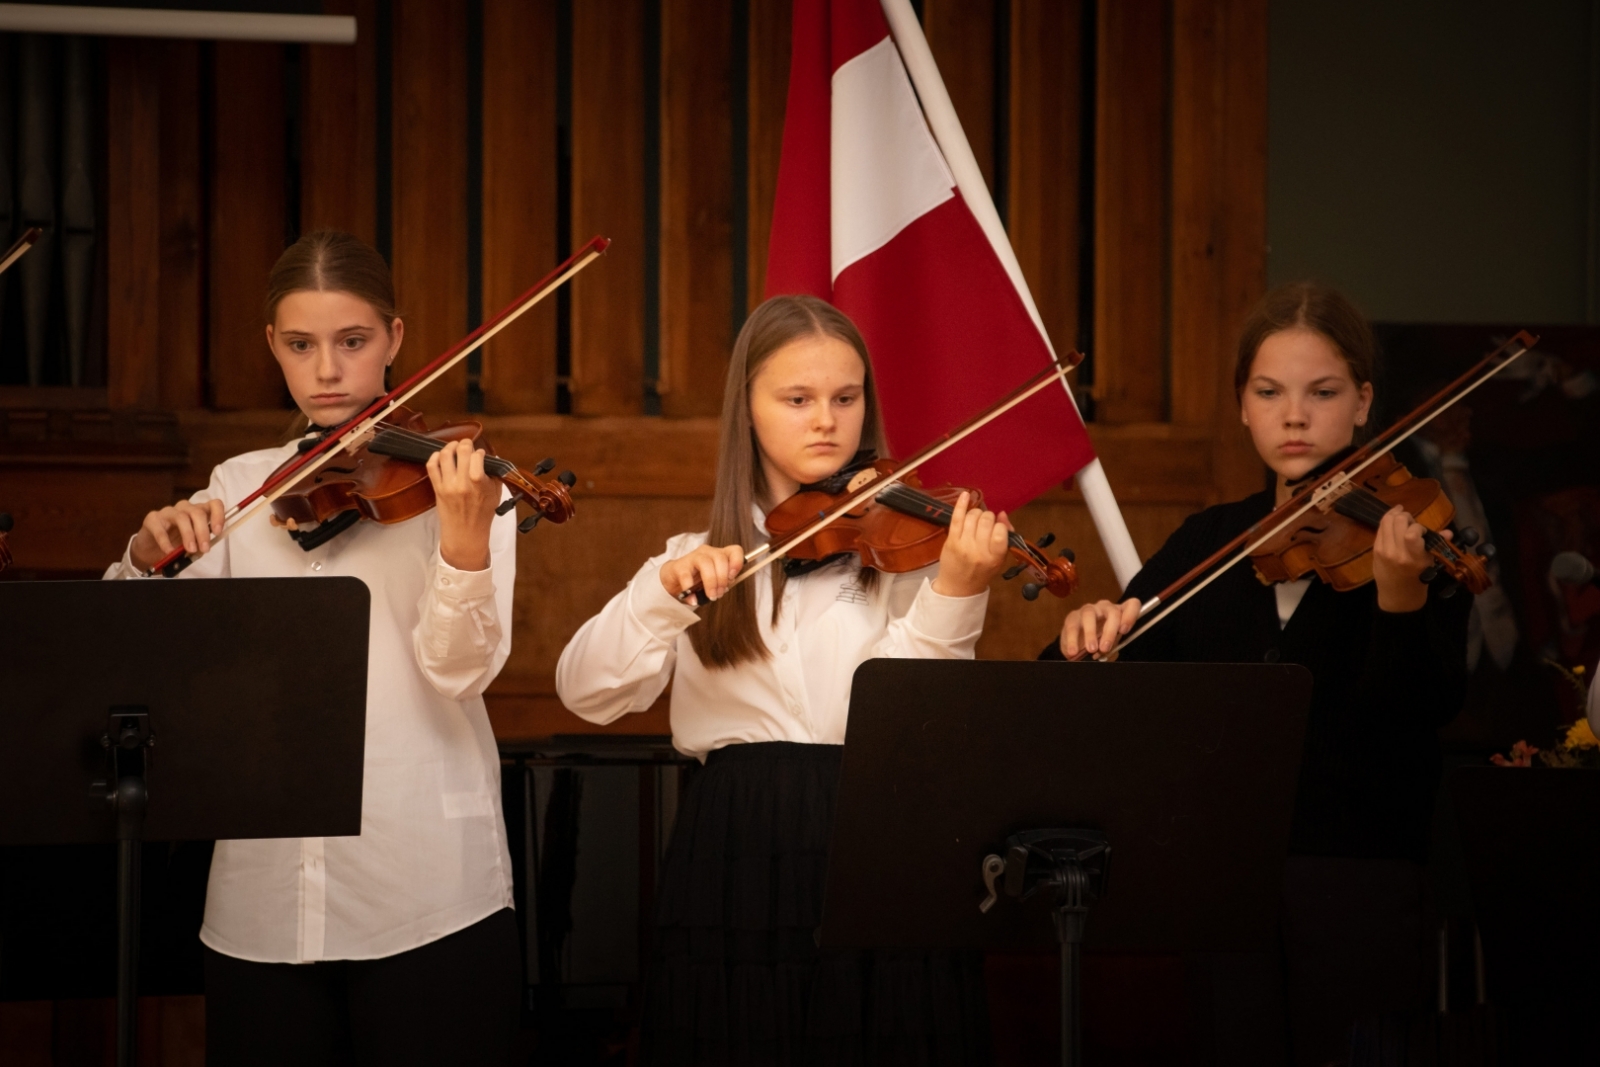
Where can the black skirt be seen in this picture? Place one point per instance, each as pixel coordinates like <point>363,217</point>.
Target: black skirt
<point>737,976</point>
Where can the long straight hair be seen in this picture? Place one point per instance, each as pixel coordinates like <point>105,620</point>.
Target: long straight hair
<point>728,633</point>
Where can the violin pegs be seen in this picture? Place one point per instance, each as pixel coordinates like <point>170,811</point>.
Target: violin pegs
<point>1047,540</point>
<point>527,524</point>
<point>1030,591</point>
<point>508,504</point>
<point>567,478</point>
<point>1487,551</point>
<point>1068,555</point>
<point>1449,589</point>
<point>1012,572</point>
<point>1430,574</point>
<point>1467,536</point>
<point>544,465</point>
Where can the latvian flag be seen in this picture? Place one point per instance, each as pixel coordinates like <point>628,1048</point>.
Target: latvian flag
<point>869,216</point>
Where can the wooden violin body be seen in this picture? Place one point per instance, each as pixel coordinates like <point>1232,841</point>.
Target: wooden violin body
<point>902,529</point>
<point>385,479</point>
<point>1334,539</point>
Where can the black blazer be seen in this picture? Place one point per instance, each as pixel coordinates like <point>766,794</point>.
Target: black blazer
<point>1383,684</point>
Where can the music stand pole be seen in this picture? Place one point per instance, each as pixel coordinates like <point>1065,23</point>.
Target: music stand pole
<point>128,737</point>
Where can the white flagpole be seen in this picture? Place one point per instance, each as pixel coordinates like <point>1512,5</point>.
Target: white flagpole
<point>946,127</point>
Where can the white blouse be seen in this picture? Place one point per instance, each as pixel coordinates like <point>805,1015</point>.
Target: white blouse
<point>431,858</point>
<point>621,660</point>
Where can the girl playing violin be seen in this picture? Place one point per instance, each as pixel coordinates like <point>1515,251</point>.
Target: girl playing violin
<point>762,687</point>
<point>399,944</point>
<point>1388,662</point>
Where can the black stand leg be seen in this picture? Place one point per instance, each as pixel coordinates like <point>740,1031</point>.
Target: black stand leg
<point>128,857</point>
<point>127,739</point>
<point>1073,888</point>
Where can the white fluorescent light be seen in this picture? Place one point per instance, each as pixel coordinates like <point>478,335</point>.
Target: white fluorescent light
<point>165,22</point>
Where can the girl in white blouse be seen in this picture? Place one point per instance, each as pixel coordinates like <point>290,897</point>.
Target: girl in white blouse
<point>399,945</point>
<point>763,672</point>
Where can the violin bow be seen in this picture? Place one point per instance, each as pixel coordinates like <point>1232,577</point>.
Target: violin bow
<point>19,247</point>
<point>362,427</point>
<point>1329,484</point>
<point>765,555</point>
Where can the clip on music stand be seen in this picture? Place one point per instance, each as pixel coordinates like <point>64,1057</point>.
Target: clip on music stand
<point>255,688</point>
<point>969,779</point>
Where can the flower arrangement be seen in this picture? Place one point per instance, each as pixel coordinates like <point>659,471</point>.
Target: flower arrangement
<point>1579,748</point>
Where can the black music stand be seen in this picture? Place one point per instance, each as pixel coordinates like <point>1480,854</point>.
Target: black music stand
<point>255,689</point>
<point>1019,775</point>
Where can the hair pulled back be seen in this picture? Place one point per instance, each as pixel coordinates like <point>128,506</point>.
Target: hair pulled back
<point>1318,308</point>
<point>332,261</point>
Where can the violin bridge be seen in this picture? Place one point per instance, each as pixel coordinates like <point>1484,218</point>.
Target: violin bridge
<point>865,476</point>
<point>1327,495</point>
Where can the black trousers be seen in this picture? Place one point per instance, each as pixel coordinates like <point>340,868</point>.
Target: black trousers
<point>454,1001</point>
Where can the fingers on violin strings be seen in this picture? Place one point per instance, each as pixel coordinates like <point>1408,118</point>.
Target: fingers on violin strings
<point>958,515</point>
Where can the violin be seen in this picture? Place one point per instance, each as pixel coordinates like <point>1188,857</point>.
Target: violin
<point>1334,539</point>
<point>384,479</point>
<point>902,528</point>
<point>814,515</point>
<point>363,430</point>
<point>1329,526</point>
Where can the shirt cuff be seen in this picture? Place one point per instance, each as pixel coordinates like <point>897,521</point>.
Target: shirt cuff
<point>657,610</point>
<point>456,584</point>
<point>124,567</point>
<point>948,618</point>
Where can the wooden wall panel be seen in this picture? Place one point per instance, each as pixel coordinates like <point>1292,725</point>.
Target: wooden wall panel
<point>519,199</point>
<point>1199,336</point>
<point>339,128</point>
<point>608,105</point>
<point>768,91</point>
<point>1131,212</point>
<point>1046,157</point>
<point>246,231</point>
<point>1237,467</point>
<point>1218,215</point>
<point>961,36</point>
<point>696,204</point>
<point>133,213</point>
<point>182,227</point>
<point>430,191</point>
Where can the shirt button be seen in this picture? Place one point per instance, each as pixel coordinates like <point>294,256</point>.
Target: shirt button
<point>1272,656</point>
<point>444,581</point>
<point>317,566</point>
<point>783,648</point>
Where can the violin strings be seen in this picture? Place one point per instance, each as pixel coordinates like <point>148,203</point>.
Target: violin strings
<point>1371,511</point>
<point>495,465</point>
<point>909,499</point>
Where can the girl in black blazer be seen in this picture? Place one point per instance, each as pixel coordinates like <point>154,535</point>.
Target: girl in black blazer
<point>1388,661</point>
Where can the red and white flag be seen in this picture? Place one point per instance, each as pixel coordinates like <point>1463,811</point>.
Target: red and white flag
<point>881,210</point>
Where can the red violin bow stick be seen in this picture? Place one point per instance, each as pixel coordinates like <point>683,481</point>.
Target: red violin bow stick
<point>359,427</point>
<point>20,246</point>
